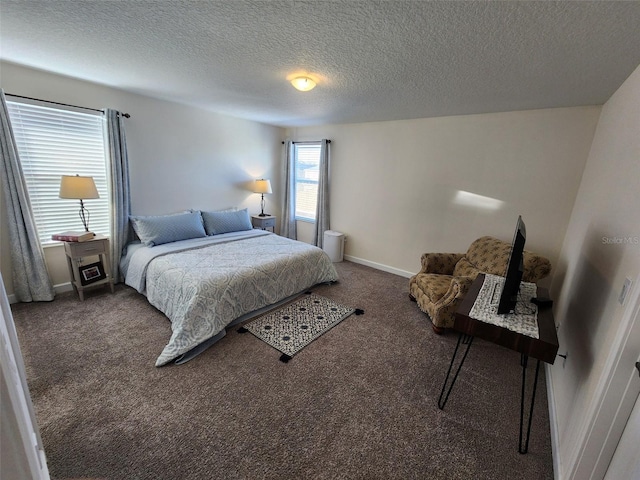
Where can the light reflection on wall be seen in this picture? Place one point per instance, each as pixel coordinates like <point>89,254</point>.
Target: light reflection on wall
<point>469,199</point>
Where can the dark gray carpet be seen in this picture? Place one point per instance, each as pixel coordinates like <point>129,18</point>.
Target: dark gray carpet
<point>360,402</point>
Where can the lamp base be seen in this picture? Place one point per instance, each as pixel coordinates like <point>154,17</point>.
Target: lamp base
<point>84,216</point>
<point>262,214</point>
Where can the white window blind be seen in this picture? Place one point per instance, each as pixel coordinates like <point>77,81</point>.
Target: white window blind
<point>53,142</point>
<point>307,171</point>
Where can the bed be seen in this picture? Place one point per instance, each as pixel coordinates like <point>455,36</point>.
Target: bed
<point>206,284</point>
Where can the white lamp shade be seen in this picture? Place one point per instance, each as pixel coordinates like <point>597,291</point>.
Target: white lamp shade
<point>262,186</point>
<point>78,187</point>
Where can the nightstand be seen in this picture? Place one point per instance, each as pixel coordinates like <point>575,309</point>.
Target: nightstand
<point>94,274</point>
<point>268,221</point>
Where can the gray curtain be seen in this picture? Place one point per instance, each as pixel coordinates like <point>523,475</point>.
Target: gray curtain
<point>30,276</point>
<point>118,188</point>
<point>322,208</point>
<point>289,209</point>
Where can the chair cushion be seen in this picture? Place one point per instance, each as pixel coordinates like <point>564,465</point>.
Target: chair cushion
<point>433,285</point>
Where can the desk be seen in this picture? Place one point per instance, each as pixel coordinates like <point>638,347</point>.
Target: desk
<point>544,348</point>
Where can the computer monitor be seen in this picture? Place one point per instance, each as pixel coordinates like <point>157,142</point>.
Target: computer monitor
<point>515,268</point>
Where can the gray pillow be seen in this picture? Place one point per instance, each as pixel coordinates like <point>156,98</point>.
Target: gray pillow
<point>156,230</point>
<point>216,223</point>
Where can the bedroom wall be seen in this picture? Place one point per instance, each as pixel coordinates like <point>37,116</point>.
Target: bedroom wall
<point>180,157</point>
<point>593,265</point>
<point>396,185</point>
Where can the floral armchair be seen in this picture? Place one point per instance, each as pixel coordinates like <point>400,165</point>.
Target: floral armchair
<point>445,278</point>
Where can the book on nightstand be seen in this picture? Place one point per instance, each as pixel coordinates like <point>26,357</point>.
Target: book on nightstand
<point>73,236</point>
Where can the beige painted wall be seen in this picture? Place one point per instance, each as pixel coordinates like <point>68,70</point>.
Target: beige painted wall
<point>394,184</point>
<point>180,157</point>
<point>600,250</point>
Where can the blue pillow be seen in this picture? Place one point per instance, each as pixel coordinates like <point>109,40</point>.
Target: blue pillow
<point>156,230</point>
<point>216,223</point>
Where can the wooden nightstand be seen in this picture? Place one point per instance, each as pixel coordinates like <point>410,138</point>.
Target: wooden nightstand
<point>268,221</point>
<point>96,274</point>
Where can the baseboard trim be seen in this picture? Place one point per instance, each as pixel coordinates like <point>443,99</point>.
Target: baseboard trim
<point>379,266</point>
<point>63,287</point>
<point>553,422</point>
<point>60,288</point>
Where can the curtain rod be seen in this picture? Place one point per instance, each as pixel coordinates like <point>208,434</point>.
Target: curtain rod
<point>328,141</point>
<point>126,115</point>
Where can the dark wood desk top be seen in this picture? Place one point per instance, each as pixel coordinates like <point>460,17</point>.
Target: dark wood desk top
<point>544,348</point>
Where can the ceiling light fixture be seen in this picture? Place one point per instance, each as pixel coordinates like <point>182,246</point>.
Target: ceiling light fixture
<point>304,84</point>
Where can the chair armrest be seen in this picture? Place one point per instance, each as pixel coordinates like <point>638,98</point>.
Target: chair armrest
<point>462,285</point>
<point>458,288</point>
<point>441,263</point>
<point>536,267</point>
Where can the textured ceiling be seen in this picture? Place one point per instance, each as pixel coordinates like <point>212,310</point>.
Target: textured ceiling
<point>374,60</point>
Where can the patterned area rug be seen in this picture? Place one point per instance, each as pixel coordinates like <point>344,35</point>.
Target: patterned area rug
<point>295,325</point>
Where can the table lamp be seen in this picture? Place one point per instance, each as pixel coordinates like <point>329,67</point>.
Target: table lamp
<point>262,186</point>
<point>79,188</point>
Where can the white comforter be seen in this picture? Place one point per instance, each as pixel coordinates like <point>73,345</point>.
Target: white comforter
<point>204,284</point>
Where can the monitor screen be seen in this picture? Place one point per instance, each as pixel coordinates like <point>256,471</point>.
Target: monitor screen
<point>515,268</point>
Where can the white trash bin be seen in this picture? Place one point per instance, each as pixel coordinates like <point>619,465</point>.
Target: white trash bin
<point>333,245</point>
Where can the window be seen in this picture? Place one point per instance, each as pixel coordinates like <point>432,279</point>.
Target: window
<point>53,142</point>
<point>307,170</point>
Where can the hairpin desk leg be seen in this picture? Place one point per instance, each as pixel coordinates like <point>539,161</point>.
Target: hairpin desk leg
<point>533,398</point>
<point>465,339</point>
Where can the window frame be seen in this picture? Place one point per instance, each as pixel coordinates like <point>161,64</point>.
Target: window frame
<point>305,181</point>
<point>31,121</point>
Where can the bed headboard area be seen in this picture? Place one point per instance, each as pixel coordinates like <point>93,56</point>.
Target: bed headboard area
<point>160,229</point>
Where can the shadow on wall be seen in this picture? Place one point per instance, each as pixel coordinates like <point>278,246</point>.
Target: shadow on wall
<point>588,295</point>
